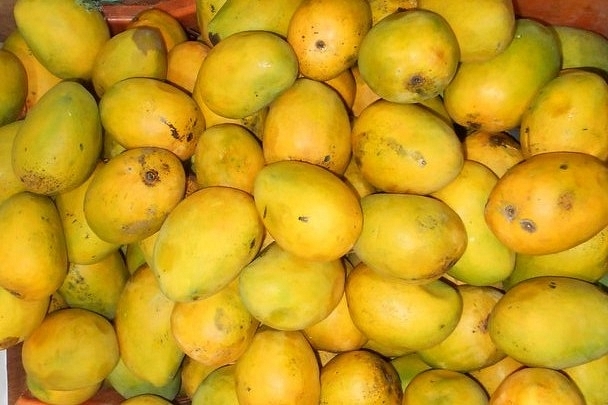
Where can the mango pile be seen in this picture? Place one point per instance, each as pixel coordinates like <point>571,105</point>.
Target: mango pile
<point>310,202</point>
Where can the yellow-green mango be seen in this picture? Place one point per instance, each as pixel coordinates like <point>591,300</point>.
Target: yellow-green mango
<point>96,286</point>
<point>237,15</point>
<point>60,140</point>
<point>143,328</point>
<point>205,11</point>
<point>13,88</point>
<point>218,388</point>
<point>65,35</point>
<point>582,48</point>
<point>131,195</point>
<point>128,385</point>
<point>485,261</point>
<point>205,242</point>
<point>39,79</point>
<point>84,246</point>
<point>19,317</point>
<point>10,182</point>
<point>135,52</point>
<point>552,322</point>
<point>590,378</point>
<point>61,397</point>
<point>492,95</point>
<point>32,246</point>
<point>146,112</point>
<point>243,73</point>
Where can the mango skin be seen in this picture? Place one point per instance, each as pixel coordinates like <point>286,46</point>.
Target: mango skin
<point>60,140</point>
<point>65,35</point>
<point>552,322</point>
<point>13,92</point>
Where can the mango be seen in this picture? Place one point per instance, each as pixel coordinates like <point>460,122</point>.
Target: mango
<point>135,52</point>
<point>408,366</point>
<point>409,56</point>
<point>11,184</point>
<point>32,246</point>
<point>143,329</point>
<point>19,317</point>
<point>326,35</point>
<point>398,316</point>
<point>499,151</point>
<point>236,16</point>
<point>382,8</point>
<point>71,349</point>
<point>589,378</point>
<point>570,113</point>
<point>13,93</point>
<point>39,79</point>
<point>492,95</point>
<point>61,397</point>
<point>164,22</point>
<point>266,287</point>
<point>205,242</point>
<point>537,385</point>
<point>308,122</point>
<point>549,202</point>
<point>308,210</point>
<point>582,48</point>
<point>64,35</point>
<point>243,73</point>
<point>218,388</point>
<point>411,237</point>
<point>533,322</point>
<point>483,28</point>
<point>128,385</point>
<point>216,330</point>
<point>96,286</point>
<point>284,357</point>
<point>205,11</point>
<point>360,377</point>
<point>130,196</point>
<point>405,148</point>
<point>438,386</point>
<point>59,143</point>
<point>168,118</point>
<point>469,347</point>
<point>486,260</point>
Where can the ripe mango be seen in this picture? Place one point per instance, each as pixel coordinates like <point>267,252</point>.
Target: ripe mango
<point>59,143</point>
<point>135,52</point>
<point>205,242</point>
<point>131,195</point>
<point>32,246</point>
<point>11,184</point>
<point>19,317</point>
<point>128,385</point>
<point>492,95</point>
<point>143,329</point>
<point>64,35</point>
<point>550,321</point>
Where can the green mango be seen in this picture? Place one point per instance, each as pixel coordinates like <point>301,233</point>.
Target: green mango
<point>130,385</point>
<point>60,140</point>
<point>236,16</point>
<point>550,321</point>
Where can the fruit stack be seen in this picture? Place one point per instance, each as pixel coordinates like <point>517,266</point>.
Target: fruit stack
<point>309,202</point>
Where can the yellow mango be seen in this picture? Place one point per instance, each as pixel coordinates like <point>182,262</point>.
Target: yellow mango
<point>19,317</point>
<point>32,246</point>
<point>143,329</point>
<point>13,93</point>
<point>533,322</point>
<point>11,184</point>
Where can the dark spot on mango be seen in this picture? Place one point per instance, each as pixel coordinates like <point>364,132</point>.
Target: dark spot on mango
<point>265,212</point>
<point>173,130</point>
<point>144,38</point>
<point>303,219</point>
<point>552,285</point>
<point>327,159</point>
<point>150,177</point>
<point>81,146</point>
<point>528,225</point>
<point>214,38</point>
<point>320,45</point>
<point>497,140</point>
<point>565,200</point>
<point>563,166</point>
<point>510,212</point>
